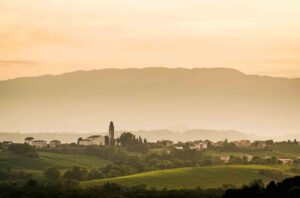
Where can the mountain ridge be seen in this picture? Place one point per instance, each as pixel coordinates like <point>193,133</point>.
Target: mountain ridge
<point>146,68</point>
<point>151,98</point>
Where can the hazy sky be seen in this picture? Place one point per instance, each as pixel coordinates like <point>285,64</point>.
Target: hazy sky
<point>55,36</point>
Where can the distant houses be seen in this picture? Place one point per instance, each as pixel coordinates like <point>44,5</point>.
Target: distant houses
<point>286,161</point>
<point>225,159</point>
<point>178,147</point>
<point>39,143</point>
<point>196,145</point>
<point>199,145</point>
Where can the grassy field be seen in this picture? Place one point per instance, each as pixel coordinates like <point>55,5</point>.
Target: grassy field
<point>203,177</point>
<point>35,166</point>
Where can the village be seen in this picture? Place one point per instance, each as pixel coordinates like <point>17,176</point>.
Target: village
<point>248,148</point>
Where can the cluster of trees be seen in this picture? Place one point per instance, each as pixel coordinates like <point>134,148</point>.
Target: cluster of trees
<point>6,174</point>
<point>75,173</point>
<point>23,149</point>
<point>126,164</point>
<point>128,138</point>
<point>155,161</point>
<point>71,189</point>
<point>64,188</point>
<point>287,188</point>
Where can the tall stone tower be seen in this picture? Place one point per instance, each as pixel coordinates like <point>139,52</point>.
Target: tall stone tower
<point>111,134</point>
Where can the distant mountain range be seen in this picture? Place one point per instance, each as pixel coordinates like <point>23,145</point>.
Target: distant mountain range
<point>151,98</point>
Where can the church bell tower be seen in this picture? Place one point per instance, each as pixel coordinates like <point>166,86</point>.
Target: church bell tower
<point>111,134</point>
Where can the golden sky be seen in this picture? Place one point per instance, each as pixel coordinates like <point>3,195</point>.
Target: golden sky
<point>55,36</point>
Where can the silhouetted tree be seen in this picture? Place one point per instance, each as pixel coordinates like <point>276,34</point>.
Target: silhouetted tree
<point>28,139</point>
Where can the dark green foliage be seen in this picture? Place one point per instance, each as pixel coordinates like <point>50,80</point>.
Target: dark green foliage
<point>8,174</point>
<point>276,175</point>
<point>108,152</point>
<point>71,189</point>
<point>76,173</point>
<point>139,148</point>
<point>95,174</point>
<point>128,138</point>
<point>52,173</point>
<point>288,188</point>
<point>23,149</point>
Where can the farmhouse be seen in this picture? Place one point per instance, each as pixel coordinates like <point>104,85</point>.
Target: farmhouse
<point>54,143</point>
<point>93,140</point>
<point>39,143</point>
<point>199,146</point>
<point>225,159</point>
<point>178,147</point>
<point>97,140</point>
<point>85,142</point>
<point>286,161</point>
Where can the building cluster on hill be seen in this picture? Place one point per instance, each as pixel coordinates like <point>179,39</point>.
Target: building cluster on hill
<point>128,139</point>
<point>98,140</point>
<point>44,144</point>
<point>95,140</point>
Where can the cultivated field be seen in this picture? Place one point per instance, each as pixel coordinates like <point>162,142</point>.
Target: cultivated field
<point>203,177</point>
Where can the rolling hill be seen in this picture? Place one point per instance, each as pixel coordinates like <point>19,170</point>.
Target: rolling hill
<point>151,98</point>
<point>48,159</point>
<point>203,177</point>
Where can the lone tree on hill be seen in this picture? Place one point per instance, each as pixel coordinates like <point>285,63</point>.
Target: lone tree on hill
<point>28,139</point>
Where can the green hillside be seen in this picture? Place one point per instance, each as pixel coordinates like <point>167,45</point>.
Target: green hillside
<point>203,177</point>
<point>47,159</point>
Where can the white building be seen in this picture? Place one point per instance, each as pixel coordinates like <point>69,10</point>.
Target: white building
<point>199,146</point>
<point>39,143</point>
<point>178,147</point>
<point>225,159</point>
<point>85,142</point>
<point>93,140</point>
<point>286,161</point>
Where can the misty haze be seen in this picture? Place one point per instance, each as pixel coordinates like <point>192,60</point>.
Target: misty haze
<point>151,98</point>
<point>138,99</point>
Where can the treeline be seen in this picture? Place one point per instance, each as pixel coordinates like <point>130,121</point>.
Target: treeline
<point>125,164</point>
<point>288,188</point>
<point>18,184</point>
<point>6,174</point>
<point>24,150</point>
<point>71,189</point>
